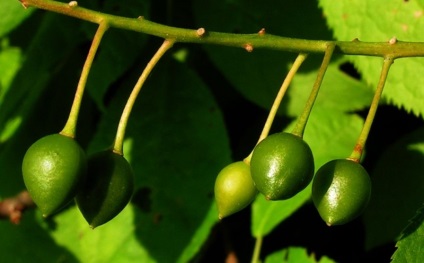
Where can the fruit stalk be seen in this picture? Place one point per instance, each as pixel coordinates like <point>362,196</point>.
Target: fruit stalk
<point>257,249</point>
<point>360,144</point>
<point>120,134</point>
<point>70,126</point>
<point>290,75</point>
<point>303,118</point>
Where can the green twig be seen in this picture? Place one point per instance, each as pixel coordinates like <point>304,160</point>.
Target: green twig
<point>303,118</point>
<point>257,250</point>
<point>360,144</point>
<point>277,101</point>
<point>246,41</point>
<point>120,134</point>
<point>71,124</point>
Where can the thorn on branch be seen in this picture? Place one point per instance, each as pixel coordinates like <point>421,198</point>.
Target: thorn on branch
<point>24,4</point>
<point>248,47</point>
<point>393,41</point>
<point>13,207</point>
<point>200,32</point>
<point>262,32</point>
<point>73,4</point>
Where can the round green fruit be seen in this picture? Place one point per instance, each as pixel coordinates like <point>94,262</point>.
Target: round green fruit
<point>341,191</point>
<point>53,168</point>
<point>234,189</point>
<point>282,165</point>
<point>108,188</point>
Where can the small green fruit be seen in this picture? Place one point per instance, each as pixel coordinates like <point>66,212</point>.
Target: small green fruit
<point>341,191</point>
<point>53,168</point>
<point>282,165</point>
<point>234,189</point>
<point>108,188</point>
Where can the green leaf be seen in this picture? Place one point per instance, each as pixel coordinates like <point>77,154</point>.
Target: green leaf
<point>331,135</point>
<point>112,242</point>
<point>295,255</point>
<point>10,62</point>
<point>397,189</point>
<point>177,143</point>
<point>28,242</point>
<point>12,13</point>
<point>410,245</point>
<point>118,51</point>
<point>338,92</point>
<point>367,21</point>
<point>32,78</point>
<point>258,75</point>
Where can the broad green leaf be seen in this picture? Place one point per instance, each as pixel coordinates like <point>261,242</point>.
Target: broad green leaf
<point>397,189</point>
<point>338,92</point>
<point>410,245</point>
<point>295,255</point>
<point>44,54</point>
<point>112,242</point>
<point>258,75</point>
<point>331,135</point>
<point>12,13</point>
<point>176,143</point>
<point>119,49</point>
<point>266,215</point>
<point>29,242</point>
<point>368,21</point>
<point>10,61</point>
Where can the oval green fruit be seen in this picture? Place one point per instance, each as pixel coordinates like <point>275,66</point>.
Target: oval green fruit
<point>282,165</point>
<point>341,191</point>
<point>108,188</point>
<point>53,168</point>
<point>234,189</point>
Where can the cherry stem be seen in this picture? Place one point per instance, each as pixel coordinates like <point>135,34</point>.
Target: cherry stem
<point>360,144</point>
<point>120,134</point>
<point>273,111</point>
<point>71,124</point>
<point>299,129</point>
<point>257,250</point>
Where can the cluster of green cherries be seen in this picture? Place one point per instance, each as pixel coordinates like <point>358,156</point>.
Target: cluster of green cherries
<point>282,164</point>
<point>56,171</point>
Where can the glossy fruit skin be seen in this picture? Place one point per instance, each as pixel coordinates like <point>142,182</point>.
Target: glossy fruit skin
<point>108,188</point>
<point>53,168</point>
<point>234,189</point>
<point>341,191</point>
<point>282,165</point>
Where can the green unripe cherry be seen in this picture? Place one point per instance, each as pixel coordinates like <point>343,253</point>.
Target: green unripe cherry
<point>282,165</point>
<point>108,187</point>
<point>234,189</point>
<point>341,191</point>
<point>53,168</point>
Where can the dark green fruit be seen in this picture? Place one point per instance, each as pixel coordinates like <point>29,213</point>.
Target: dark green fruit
<point>340,191</point>
<point>282,165</point>
<point>53,168</point>
<point>108,188</point>
<point>234,189</point>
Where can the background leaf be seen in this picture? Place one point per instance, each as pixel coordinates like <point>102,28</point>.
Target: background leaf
<point>397,186</point>
<point>409,246</point>
<point>12,14</point>
<point>368,21</point>
<point>295,255</point>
